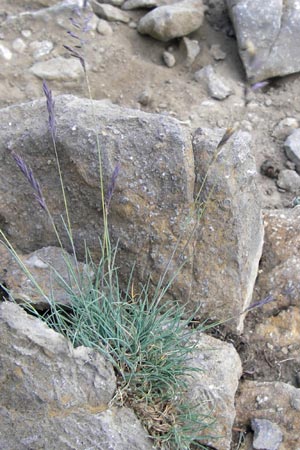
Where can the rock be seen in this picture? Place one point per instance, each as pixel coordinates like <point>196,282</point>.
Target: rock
<point>292,147</point>
<point>192,50</point>
<point>217,53</point>
<point>109,12</point>
<point>41,48</point>
<point>267,35</point>
<point>170,21</point>
<point>5,53</point>
<point>280,275</point>
<point>56,396</point>
<point>136,4</point>
<point>169,59</point>
<point>231,231</point>
<point>145,97</point>
<point>285,127</point>
<point>154,189</point>
<point>59,69</point>
<point>26,33</point>
<point>267,435</point>
<point>104,28</point>
<point>289,180</point>
<point>216,86</point>
<point>219,361</point>
<point>44,265</point>
<point>19,45</point>
<point>282,329</point>
<point>271,400</point>
<point>269,169</point>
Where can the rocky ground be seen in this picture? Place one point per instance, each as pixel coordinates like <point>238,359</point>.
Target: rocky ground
<point>137,71</point>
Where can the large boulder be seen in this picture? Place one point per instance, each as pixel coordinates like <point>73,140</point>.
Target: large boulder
<point>267,34</point>
<point>57,396</point>
<point>152,213</point>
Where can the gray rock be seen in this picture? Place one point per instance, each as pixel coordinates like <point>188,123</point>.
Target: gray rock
<point>267,435</point>
<point>45,266</point>
<point>217,53</point>
<point>267,35</point>
<point>289,180</point>
<point>285,127</point>
<point>292,147</point>
<point>41,48</point>
<point>56,396</point>
<point>109,12</point>
<point>219,361</point>
<point>104,28</point>
<point>135,4</point>
<point>168,22</point>
<point>216,86</point>
<point>59,69</point>
<point>145,97</point>
<point>5,53</point>
<point>169,59</point>
<point>231,231</point>
<point>19,45</point>
<point>192,49</point>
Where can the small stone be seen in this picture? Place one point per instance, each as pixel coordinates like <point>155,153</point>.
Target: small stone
<point>292,147</point>
<point>111,13</point>
<point>289,180</point>
<point>268,102</point>
<point>217,53</point>
<point>290,165</point>
<point>19,45</point>
<point>192,49</point>
<point>285,127</point>
<point>135,4</point>
<point>41,48</point>
<point>216,86</point>
<point>170,21</point>
<point>5,53</point>
<point>145,97</point>
<point>26,33</point>
<point>62,69</point>
<point>267,435</point>
<point>104,28</point>
<point>169,59</point>
<point>285,350</point>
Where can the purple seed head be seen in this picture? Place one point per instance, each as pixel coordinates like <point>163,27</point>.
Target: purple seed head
<point>74,53</point>
<point>268,299</point>
<point>28,174</point>
<point>50,108</point>
<point>259,85</point>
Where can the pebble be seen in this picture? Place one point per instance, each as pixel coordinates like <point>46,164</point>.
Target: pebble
<point>289,180</point>
<point>217,53</point>
<point>217,88</point>
<point>267,435</point>
<point>19,45</point>
<point>145,97</point>
<point>285,127</point>
<point>292,147</point>
<point>192,49</point>
<point>26,33</point>
<point>104,28</point>
<point>169,59</point>
<point>110,13</point>
<point>61,69</point>
<point>5,53</point>
<point>41,48</point>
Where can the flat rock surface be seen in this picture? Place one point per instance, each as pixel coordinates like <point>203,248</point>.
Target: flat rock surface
<point>267,35</point>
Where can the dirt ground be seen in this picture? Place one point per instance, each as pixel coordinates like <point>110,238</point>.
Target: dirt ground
<point>126,67</point>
